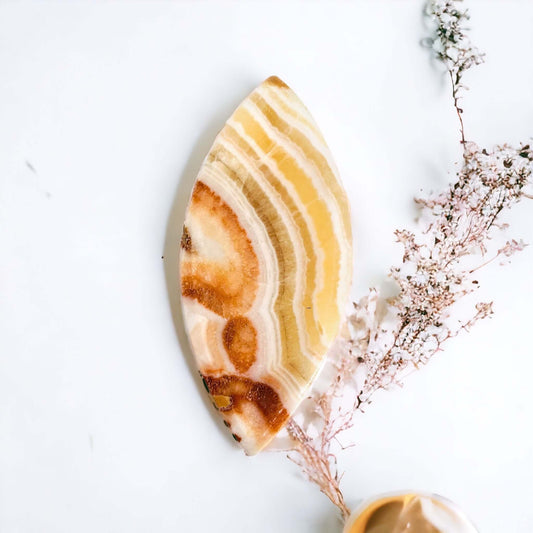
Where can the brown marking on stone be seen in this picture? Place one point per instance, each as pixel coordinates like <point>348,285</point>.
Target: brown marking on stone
<point>186,241</point>
<point>243,390</point>
<point>194,287</point>
<point>301,368</point>
<point>276,82</point>
<point>226,286</point>
<point>240,340</point>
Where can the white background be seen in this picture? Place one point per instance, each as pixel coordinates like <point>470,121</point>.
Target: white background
<point>106,112</point>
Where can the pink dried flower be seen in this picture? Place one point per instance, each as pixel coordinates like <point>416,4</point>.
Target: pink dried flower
<point>511,247</point>
<point>386,339</point>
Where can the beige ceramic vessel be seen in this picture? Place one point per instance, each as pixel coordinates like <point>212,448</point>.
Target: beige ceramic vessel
<point>408,512</point>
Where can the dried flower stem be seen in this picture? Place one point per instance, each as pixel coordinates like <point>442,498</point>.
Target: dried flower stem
<point>453,47</point>
<point>388,339</point>
<point>316,463</point>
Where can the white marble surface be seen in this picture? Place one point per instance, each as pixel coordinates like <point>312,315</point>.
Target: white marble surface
<point>106,111</point>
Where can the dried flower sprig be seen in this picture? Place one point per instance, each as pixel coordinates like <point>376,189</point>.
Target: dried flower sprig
<point>387,339</point>
<point>452,46</point>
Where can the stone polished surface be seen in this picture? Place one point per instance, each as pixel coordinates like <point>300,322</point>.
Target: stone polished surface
<point>266,261</point>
